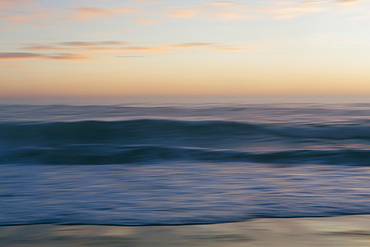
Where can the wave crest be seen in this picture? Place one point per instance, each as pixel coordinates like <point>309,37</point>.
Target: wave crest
<point>102,154</point>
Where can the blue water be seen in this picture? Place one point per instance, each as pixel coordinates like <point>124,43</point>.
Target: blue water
<point>182,163</point>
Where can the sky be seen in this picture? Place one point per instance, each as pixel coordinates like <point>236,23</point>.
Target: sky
<point>114,48</point>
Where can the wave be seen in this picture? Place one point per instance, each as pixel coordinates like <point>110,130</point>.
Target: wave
<point>103,154</point>
<point>220,134</point>
<point>156,140</point>
<point>145,129</point>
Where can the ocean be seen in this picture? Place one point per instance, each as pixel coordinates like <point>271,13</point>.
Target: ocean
<point>180,162</point>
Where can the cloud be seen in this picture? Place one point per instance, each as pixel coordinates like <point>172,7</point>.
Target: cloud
<point>184,12</point>
<point>235,48</point>
<point>7,29</point>
<point>88,13</point>
<point>16,3</point>
<point>14,66</point>
<point>287,10</point>
<point>193,45</point>
<point>99,51</point>
<point>348,1</point>
<point>67,56</point>
<point>78,45</point>
<point>115,31</point>
<point>230,10</point>
<point>6,56</point>
<point>37,13</point>
<point>98,47</point>
<point>146,1</point>
<point>214,46</point>
<point>144,49</point>
<point>222,2</point>
<point>43,48</point>
<point>219,10</point>
<point>312,2</point>
<point>183,46</point>
<point>217,47</point>
<point>87,51</point>
<point>26,18</point>
<point>93,44</point>
<point>146,21</point>
<point>10,56</point>
<point>230,15</point>
<point>124,46</point>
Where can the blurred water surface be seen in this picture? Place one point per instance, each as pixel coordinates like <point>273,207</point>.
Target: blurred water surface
<point>182,162</point>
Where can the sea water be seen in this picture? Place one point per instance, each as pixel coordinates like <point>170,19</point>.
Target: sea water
<point>182,162</point>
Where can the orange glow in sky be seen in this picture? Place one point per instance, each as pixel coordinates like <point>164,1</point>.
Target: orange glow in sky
<point>184,48</point>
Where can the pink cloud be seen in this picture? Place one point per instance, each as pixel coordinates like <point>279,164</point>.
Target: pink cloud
<point>348,1</point>
<point>231,15</point>
<point>115,31</point>
<point>229,48</point>
<point>6,56</point>
<point>97,47</point>
<point>10,56</point>
<point>146,21</point>
<point>146,1</point>
<point>222,2</point>
<point>214,46</point>
<point>144,49</point>
<point>67,56</point>
<point>90,45</point>
<point>43,48</point>
<point>88,13</point>
<point>82,50</point>
<point>16,3</point>
<point>82,46</point>
<point>125,46</point>
<point>184,13</point>
<point>26,18</point>
<point>280,9</point>
<point>193,45</point>
<point>13,66</point>
<point>287,10</point>
<point>221,10</point>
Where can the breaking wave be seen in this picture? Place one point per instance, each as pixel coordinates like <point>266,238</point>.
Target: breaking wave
<point>148,140</point>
